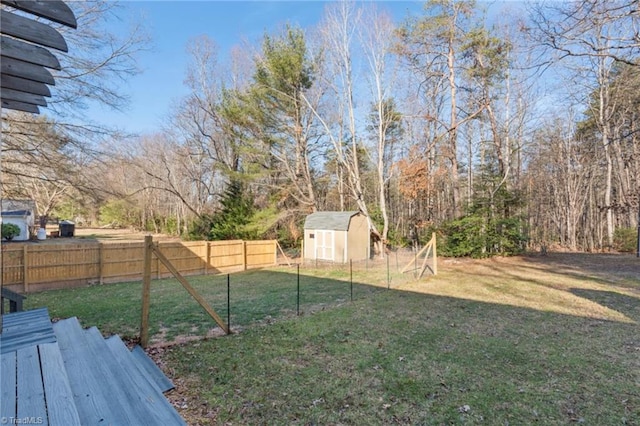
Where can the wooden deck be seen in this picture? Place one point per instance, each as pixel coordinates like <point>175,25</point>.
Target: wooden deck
<point>61,374</point>
<point>24,329</point>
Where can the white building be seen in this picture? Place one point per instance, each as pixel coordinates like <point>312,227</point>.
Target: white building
<point>23,219</point>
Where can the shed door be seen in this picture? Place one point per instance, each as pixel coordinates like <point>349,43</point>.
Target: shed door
<point>324,245</point>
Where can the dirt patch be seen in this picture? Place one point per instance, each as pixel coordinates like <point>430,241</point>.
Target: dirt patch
<point>108,234</point>
<point>160,341</point>
<point>91,235</point>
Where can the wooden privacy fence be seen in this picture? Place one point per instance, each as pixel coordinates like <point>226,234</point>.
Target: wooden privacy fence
<point>28,267</point>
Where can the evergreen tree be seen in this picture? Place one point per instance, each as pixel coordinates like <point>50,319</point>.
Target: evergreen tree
<point>231,222</point>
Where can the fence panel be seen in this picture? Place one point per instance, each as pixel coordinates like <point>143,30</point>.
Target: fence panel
<point>187,257</point>
<point>62,265</point>
<point>121,262</point>
<point>226,256</point>
<point>12,264</point>
<point>261,253</point>
<point>71,262</point>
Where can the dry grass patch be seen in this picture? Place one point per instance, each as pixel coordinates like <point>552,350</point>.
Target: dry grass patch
<point>562,283</point>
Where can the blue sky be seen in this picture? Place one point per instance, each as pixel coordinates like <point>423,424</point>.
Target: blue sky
<point>171,24</point>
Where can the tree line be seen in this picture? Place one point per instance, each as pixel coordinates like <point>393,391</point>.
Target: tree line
<point>499,134</point>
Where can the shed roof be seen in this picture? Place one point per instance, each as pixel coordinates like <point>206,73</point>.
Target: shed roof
<point>18,213</point>
<point>336,221</point>
<point>9,205</point>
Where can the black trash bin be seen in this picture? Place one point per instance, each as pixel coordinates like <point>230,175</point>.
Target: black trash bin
<point>67,228</point>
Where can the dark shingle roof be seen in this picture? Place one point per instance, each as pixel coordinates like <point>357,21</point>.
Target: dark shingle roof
<point>17,213</point>
<point>336,221</point>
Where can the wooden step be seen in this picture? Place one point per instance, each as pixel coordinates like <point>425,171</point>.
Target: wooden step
<point>103,392</point>
<point>29,389</point>
<point>147,409</point>
<point>24,329</point>
<point>101,398</point>
<point>35,387</point>
<point>151,369</point>
<point>145,384</point>
<point>61,408</point>
<point>8,385</point>
<point>89,382</point>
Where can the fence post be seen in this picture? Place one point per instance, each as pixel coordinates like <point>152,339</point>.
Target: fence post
<point>158,275</point>
<point>146,291</point>
<point>388,274</point>
<point>207,257</point>
<point>192,291</point>
<point>435,255</point>
<point>298,293</point>
<point>275,252</point>
<point>100,263</point>
<point>351,277</point>
<point>25,269</point>
<point>244,255</point>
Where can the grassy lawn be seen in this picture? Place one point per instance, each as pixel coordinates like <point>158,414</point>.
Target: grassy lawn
<point>546,340</point>
<point>255,297</point>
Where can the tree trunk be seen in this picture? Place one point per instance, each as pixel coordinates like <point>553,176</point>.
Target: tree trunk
<point>453,131</point>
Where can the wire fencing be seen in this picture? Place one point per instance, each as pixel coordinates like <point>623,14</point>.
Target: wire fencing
<point>269,295</point>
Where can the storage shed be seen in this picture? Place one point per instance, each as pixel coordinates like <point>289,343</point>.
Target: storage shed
<point>22,218</point>
<point>336,236</point>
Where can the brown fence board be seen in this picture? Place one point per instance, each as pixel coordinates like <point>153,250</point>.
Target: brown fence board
<point>59,265</point>
<point>13,266</point>
<point>260,253</point>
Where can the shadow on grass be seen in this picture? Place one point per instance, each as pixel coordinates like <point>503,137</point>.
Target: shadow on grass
<point>254,297</point>
<point>391,356</point>
<point>627,305</point>
<point>609,267</point>
<point>267,296</point>
<point>415,358</point>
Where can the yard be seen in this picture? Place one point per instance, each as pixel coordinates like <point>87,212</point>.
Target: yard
<point>551,340</point>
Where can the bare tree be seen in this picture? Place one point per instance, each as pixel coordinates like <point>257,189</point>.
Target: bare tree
<point>198,119</point>
<point>377,37</point>
<point>338,32</point>
<point>578,29</point>
<point>43,157</point>
<point>592,37</point>
<point>38,161</point>
<point>433,47</point>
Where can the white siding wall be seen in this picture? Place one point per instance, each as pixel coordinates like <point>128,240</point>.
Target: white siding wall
<point>22,224</point>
